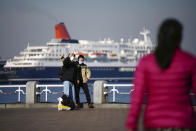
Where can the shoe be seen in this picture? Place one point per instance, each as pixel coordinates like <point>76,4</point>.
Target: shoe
<point>90,106</point>
<point>63,108</point>
<point>77,106</point>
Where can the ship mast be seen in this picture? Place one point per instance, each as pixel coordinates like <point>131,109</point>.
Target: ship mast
<point>145,33</point>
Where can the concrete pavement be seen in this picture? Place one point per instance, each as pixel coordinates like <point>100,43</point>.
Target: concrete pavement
<point>42,119</point>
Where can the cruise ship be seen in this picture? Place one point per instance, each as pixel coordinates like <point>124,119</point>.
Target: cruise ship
<point>2,73</point>
<point>108,59</point>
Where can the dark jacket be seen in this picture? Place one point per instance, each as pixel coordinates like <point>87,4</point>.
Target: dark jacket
<point>68,71</point>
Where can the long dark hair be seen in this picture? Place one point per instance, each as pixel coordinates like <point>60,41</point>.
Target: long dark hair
<point>169,39</point>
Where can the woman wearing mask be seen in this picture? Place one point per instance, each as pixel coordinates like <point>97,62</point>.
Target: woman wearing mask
<point>167,76</point>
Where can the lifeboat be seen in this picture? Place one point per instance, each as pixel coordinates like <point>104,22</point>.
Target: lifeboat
<point>80,53</point>
<point>112,54</point>
<point>98,54</point>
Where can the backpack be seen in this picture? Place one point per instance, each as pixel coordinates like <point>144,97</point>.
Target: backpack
<point>67,101</point>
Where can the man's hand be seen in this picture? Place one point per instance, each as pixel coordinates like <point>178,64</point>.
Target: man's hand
<point>78,81</point>
<point>71,54</point>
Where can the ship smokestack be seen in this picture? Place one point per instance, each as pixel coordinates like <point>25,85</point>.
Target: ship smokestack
<point>61,32</point>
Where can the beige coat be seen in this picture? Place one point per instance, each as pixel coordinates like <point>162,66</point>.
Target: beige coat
<point>86,73</point>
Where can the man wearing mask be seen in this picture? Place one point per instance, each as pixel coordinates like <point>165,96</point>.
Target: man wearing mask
<point>83,75</point>
<point>68,75</point>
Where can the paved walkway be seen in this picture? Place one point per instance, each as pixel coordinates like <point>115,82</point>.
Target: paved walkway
<point>42,119</point>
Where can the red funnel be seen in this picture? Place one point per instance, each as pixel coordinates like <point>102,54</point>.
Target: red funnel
<point>61,32</point>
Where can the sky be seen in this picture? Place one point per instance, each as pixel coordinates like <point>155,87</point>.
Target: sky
<point>33,21</point>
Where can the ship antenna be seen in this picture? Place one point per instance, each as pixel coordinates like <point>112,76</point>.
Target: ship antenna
<point>28,44</point>
<point>145,32</point>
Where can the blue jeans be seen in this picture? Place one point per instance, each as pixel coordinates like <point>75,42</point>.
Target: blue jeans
<point>69,90</point>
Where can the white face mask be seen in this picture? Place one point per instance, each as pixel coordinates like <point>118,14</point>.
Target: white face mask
<point>72,58</point>
<point>80,62</point>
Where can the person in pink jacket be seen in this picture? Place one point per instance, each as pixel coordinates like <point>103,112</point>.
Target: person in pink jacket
<point>167,75</point>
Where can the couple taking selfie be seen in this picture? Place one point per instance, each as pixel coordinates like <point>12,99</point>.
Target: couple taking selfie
<point>74,75</point>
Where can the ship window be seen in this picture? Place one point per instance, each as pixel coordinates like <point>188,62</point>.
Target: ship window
<point>36,50</point>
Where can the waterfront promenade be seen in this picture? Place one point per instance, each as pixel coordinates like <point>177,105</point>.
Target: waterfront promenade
<point>44,116</point>
<point>102,118</point>
<point>33,115</point>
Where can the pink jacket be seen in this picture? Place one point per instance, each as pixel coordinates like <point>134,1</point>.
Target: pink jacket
<point>169,104</point>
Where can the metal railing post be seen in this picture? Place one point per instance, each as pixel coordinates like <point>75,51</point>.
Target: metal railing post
<point>114,93</point>
<point>19,94</point>
<point>46,94</point>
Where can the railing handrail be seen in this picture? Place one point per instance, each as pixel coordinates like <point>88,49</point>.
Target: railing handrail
<point>119,85</point>
<point>50,85</point>
<point>5,86</point>
<point>61,85</point>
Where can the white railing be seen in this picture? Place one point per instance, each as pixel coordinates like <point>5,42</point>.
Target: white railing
<point>19,91</point>
<point>46,90</point>
<point>114,90</point>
